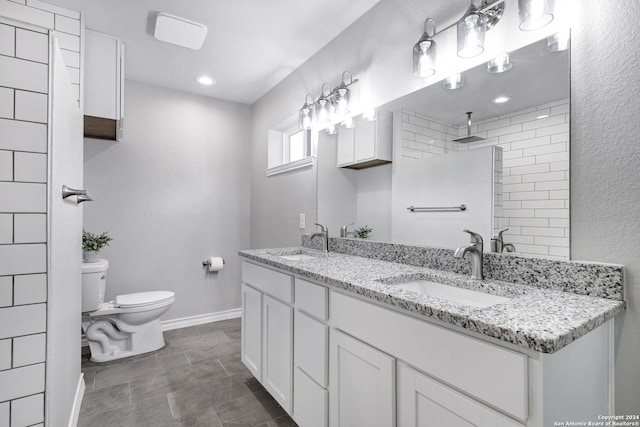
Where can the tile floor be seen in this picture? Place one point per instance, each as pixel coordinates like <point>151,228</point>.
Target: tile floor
<point>197,379</point>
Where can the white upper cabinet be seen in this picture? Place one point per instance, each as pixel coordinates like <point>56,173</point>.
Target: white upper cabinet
<point>367,144</point>
<point>104,86</point>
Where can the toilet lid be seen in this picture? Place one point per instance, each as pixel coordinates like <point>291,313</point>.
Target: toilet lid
<point>143,298</point>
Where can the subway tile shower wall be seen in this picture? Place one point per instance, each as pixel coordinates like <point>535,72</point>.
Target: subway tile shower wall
<point>535,172</point>
<point>24,105</point>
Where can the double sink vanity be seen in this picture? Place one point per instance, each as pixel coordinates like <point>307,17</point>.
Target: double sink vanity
<point>380,334</point>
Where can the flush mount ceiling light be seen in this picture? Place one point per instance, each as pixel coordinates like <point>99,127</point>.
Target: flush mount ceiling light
<point>205,80</point>
<point>499,64</point>
<point>454,81</point>
<point>502,99</point>
<point>179,31</point>
<point>331,102</point>
<point>535,14</point>
<point>424,52</point>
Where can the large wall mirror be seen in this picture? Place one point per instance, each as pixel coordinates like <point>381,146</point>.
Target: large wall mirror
<point>511,170</point>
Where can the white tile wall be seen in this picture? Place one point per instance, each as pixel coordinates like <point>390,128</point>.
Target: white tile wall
<point>31,106</point>
<point>22,320</point>
<point>23,136</point>
<point>30,167</point>
<point>30,228</point>
<point>19,382</point>
<point>30,289</point>
<point>21,74</point>
<point>23,197</point>
<point>28,410</point>
<point>7,40</point>
<point>23,259</point>
<point>6,101</point>
<point>6,165</point>
<point>5,355</point>
<point>32,45</point>
<point>535,170</point>
<point>6,291</point>
<point>24,52</point>
<point>29,350</point>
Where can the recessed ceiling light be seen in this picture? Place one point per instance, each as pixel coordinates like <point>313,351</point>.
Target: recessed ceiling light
<point>544,116</point>
<point>205,80</point>
<point>502,99</point>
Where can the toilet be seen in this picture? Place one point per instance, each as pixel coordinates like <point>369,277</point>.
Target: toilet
<point>127,326</point>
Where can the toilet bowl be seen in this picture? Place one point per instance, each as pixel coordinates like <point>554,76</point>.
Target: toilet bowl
<point>126,326</point>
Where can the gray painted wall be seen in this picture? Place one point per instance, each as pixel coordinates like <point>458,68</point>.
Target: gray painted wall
<point>605,165</point>
<point>174,191</point>
<point>604,160</point>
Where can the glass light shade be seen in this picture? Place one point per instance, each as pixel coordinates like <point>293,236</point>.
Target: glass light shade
<point>305,117</point>
<point>558,42</point>
<point>499,64</point>
<point>369,114</point>
<point>348,123</point>
<point>341,100</point>
<point>323,110</point>
<point>471,30</point>
<point>331,129</point>
<point>454,81</point>
<point>424,57</point>
<point>535,14</point>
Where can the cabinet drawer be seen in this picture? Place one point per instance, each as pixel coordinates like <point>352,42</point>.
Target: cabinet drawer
<point>311,347</point>
<point>489,372</point>
<point>310,401</point>
<point>274,283</point>
<point>312,298</point>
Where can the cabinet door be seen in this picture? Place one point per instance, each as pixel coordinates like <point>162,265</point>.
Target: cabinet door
<point>102,76</point>
<point>251,341</point>
<point>310,403</point>
<point>362,392</point>
<point>311,347</point>
<point>365,141</point>
<point>346,145</point>
<point>277,346</point>
<point>424,402</point>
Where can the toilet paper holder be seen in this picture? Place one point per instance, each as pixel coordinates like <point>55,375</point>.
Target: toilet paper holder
<point>207,262</point>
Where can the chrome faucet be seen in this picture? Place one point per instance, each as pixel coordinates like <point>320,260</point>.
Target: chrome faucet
<point>498,245</point>
<point>344,231</point>
<point>324,233</point>
<point>475,249</point>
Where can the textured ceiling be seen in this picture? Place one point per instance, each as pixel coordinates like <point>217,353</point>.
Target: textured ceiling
<point>250,47</point>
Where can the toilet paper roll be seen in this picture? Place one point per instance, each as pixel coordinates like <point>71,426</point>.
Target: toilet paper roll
<point>215,263</point>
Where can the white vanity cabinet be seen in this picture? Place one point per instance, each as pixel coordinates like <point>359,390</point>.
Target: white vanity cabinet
<point>104,86</point>
<point>367,144</point>
<point>424,402</point>
<point>267,330</point>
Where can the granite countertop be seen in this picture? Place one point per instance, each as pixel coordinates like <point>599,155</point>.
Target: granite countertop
<point>538,319</point>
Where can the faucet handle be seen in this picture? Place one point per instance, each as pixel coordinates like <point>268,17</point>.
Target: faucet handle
<point>323,228</point>
<point>498,235</point>
<point>475,237</point>
<point>343,230</point>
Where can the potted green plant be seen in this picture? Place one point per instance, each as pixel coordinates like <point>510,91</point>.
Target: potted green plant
<point>92,243</point>
<point>363,232</point>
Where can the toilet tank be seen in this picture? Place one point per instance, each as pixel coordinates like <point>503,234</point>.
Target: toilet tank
<point>94,281</point>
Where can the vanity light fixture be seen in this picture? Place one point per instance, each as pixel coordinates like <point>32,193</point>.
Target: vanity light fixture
<point>558,42</point>
<point>502,99</point>
<point>370,114</point>
<point>331,102</point>
<point>535,14</point>
<point>454,81</point>
<point>305,115</point>
<point>205,80</point>
<point>348,123</point>
<point>331,129</point>
<point>471,30</point>
<point>424,52</point>
<point>499,64</point>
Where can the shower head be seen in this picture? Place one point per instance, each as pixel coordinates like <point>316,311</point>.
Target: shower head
<point>469,138</point>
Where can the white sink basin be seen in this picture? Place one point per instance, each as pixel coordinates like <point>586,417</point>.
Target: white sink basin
<point>297,257</point>
<point>452,293</point>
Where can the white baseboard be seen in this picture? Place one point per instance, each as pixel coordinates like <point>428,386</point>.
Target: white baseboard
<point>77,402</point>
<point>185,322</point>
<point>200,319</point>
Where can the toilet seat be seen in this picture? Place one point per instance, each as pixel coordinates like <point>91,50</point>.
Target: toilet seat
<point>142,299</point>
